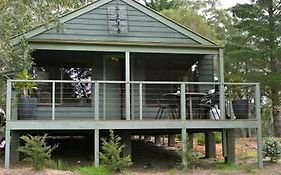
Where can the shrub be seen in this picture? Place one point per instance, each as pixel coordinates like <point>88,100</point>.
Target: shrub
<point>271,148</point>
<point>91,170</point>
<point>191,156</point>
<point>58,164</point>
<point>36,152</point>
<point>111,153</point>
<point>218,137</point>
<point>200,138</point>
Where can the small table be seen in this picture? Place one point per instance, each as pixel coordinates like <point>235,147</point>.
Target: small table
<point>189,95</point>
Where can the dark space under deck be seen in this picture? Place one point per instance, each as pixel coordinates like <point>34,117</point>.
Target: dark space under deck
<point>77,147</point>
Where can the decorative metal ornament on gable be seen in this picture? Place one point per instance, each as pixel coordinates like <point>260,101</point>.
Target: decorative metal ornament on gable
<point>117,19</point>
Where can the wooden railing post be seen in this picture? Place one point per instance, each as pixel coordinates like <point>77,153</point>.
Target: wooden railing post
<point>183,102</point>
<point>221,88</point>
<point>53,99</point>
<point>96,101</point>
<point>127,102</point>
<point>257,102</point>
<point>127,86</point>
<point>140,100</point>
<point>222,101</point>
<point>9,100</point>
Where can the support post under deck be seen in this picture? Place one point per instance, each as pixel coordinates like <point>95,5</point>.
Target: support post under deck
<point>210,144</point>
<point>7,149</point>
<point>230,146</point>
<point>97,159</point>
<point>259,132</point>
<point>184,146</point>
<point>15,143</point>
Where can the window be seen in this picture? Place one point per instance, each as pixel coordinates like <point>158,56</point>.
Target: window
<point>80,91</point>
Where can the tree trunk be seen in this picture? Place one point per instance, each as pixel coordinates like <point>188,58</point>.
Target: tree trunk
<point>276,113</point>
<point>275,70</point>
<point>277,124</point>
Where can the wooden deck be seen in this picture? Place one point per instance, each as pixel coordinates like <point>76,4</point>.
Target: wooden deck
<point>149,124</point>
<point>131,112</point>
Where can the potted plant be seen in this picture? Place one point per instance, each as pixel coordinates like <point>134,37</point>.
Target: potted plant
<point>26,103</point>
<point>240,103</point>
<point>239,97</point>
<point>241,108</point>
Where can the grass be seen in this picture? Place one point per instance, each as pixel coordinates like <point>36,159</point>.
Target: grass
<point>231,167</point>
<point>172,172</point>
<point>91,170</point>
<point>59,165</point>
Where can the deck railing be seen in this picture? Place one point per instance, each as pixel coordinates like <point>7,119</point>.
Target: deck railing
<point>133,100</point>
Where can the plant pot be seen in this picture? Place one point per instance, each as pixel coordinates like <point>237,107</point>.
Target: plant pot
<point>241,109</point>
<point>26,108</point>
<point>42,75</point>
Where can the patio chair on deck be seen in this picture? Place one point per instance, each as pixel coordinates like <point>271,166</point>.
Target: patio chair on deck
<point>209,107</point>
<point>2,145</point>
<point>169,106</point>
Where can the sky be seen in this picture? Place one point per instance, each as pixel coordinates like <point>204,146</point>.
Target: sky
<point>230,3</point>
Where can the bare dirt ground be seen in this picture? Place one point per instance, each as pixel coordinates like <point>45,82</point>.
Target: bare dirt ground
<point>29,171</point>
<point>162,162</point>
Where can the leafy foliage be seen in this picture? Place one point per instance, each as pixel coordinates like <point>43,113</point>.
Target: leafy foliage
<point>160,5</point>
<point>18,17</point>
<point>58,164</point>
<point>200,138</point>
<point>271,148</point>
<point>25,88</point>
<point>36,151</point>
<point>191,157</point>
<point>253,50</point>
<point>217,18</point>
<point>190,19</point>
<point>267,121</point>
<point>111,153</point>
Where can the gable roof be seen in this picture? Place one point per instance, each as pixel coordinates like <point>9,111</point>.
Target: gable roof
<point>149,12</point>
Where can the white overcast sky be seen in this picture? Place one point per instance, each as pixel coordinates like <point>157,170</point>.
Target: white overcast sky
<point>230,3</point>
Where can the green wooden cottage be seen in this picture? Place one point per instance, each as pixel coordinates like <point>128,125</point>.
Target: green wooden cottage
<point>116,64</point>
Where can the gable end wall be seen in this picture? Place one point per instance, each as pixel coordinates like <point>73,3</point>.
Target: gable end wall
<point>93,26</point>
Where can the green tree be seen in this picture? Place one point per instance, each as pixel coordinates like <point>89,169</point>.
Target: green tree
<point>190,19</point>
<point>111,153</point>
<point>256,46</point>
<point>18,17</point>
<point>214,15</point>
<point>160,5</point>
<point>36,151</point>
<point>205,17</point>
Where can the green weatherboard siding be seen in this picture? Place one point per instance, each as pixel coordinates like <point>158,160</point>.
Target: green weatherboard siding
<point>93,25</point>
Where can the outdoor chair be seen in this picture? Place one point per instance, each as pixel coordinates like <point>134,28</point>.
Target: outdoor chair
<point>169,106</point>
<point>208,107</point>
<point>2,145</point>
